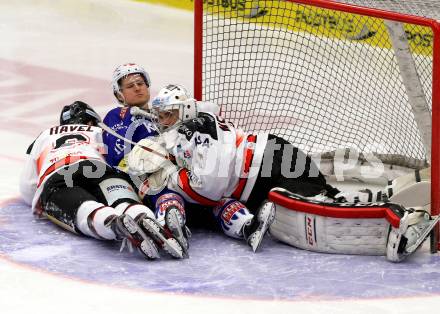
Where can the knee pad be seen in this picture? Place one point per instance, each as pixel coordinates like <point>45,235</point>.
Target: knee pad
<point>117,190</point>
<point>232,216</point>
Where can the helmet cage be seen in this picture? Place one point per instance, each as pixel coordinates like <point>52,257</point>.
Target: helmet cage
<point>187,110</point>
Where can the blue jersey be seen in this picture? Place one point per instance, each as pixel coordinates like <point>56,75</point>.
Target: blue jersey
<point>131,127</point>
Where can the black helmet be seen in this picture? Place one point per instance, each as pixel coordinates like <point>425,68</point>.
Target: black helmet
<point>79,113</point>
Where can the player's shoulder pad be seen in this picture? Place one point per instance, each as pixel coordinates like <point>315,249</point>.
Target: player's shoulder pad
<point>113,113</point>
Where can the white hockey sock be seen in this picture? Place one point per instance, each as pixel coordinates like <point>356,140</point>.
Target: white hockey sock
<point>133,210</point>
<point>91,220</point>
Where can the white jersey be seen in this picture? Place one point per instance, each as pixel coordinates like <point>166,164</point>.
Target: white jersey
<point>52,150</point>
<point>217,160</point>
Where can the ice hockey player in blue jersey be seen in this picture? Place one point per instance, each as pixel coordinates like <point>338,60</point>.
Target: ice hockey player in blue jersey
<point>131,87</point>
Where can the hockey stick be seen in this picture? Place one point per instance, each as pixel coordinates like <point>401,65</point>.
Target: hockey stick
<point>115,134</point>
<point>141,112</point>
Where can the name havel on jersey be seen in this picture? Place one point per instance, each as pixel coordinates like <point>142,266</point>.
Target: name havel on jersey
<point>56,148</point>
<point>70,128</point>
<point>131,127</point>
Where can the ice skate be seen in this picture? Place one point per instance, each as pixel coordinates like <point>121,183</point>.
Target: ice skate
<point>163,238</point>
<point>409,237</point>
<point>126,228</point>
<point>255,231</point>
<point>175,222</point>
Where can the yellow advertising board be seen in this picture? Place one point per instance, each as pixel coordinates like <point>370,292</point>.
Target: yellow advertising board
<point>318,21</point>
<point>181,4</point>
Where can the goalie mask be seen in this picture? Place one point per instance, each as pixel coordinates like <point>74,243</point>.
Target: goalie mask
<point>173,105</point>
<point>123,71</point>
<point>79,113</point>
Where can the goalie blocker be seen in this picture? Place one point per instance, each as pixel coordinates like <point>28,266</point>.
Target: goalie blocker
<point>349,228</point>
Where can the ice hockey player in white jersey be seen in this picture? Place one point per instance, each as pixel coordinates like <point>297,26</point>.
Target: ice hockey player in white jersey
<point>219,165</point>
<point>67,180</point>
<point>224,167</point>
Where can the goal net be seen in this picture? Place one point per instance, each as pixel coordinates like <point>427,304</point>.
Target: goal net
<point>357,76</point>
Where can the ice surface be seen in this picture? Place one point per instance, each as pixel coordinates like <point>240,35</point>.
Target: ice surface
<point>218,265</point>
<point>53,52</point>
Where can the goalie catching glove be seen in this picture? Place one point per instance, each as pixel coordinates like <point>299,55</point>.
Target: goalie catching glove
<point>148,156</point>
<point>154,163</point>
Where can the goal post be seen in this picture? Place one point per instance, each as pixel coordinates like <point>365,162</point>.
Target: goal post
<point>328,75</point>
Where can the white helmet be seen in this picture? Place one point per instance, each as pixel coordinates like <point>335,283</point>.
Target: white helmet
<point>176,96</point>
<point>124,70</point>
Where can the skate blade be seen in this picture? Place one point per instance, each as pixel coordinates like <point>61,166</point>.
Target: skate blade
<point>256,241</point>
<point>263,228</point>
<point>173,223</point>
<point>130,224</point>
<point>423,237</point>
<point>173,249</point>
<point>149,249</point>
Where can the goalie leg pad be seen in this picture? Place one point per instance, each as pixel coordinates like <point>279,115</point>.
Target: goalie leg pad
<point>415,195</point>
<point>411,190</point>
<point>342,228</point>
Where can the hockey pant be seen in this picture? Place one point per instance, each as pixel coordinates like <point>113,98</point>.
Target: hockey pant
<point>287,167</point>
<point>89,204</point>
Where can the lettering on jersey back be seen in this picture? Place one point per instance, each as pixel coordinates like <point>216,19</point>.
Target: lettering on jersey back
<point>70,128</point>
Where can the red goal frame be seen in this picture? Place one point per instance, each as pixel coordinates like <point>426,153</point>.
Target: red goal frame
<point>327,4</point>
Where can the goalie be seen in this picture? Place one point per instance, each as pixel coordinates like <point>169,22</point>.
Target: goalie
<point>223,167</point>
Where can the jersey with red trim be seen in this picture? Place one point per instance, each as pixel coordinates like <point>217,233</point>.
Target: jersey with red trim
<point>55,148</point>
<point>217,159</point>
